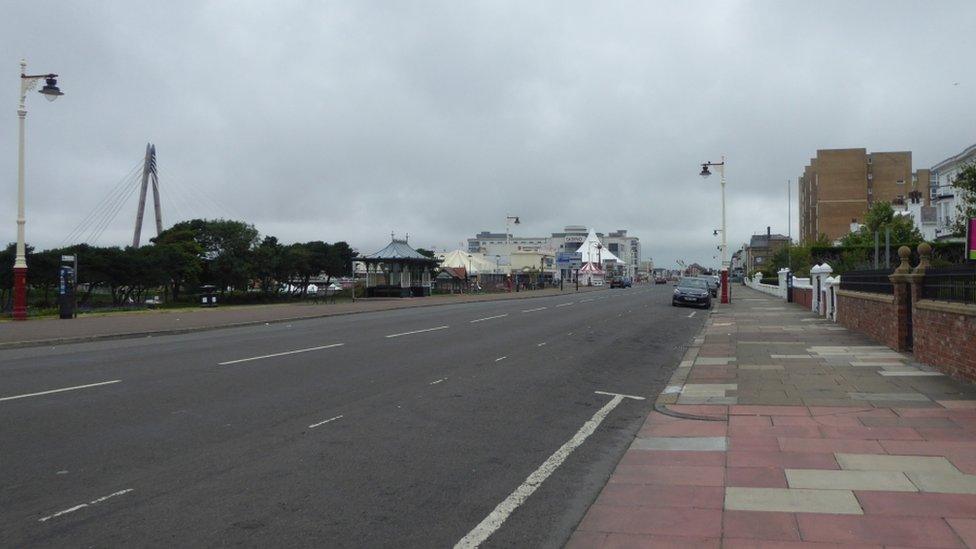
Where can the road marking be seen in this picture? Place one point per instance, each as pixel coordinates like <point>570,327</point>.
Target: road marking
<point>83,505</point>
<point>61,390</point>
<point>534,310</point>
<point>420,331</point>
<point>500,514</point>
<point>541,344</point>
<point>501,358</point>
<point>314,425</point>
<point>692,314</point>
<point>565,304</point>
<point>296,351</point>
<point>436,382</point>
<point>489,318</point>
<point>586,300</point>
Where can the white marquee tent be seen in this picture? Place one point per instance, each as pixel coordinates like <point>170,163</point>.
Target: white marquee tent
<point>591,254</point>
<point>474,263</point>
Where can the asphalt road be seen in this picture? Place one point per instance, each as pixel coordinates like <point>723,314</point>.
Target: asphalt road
<point>368,436</point>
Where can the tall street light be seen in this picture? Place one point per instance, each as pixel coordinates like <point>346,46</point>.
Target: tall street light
<point>725,247</point>
<point>50,90</point>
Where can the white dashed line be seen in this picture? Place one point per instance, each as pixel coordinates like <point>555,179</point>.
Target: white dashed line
<point>586,300</point>
<point>314,425</point>
<point>534,310</point>
<point>501,358</point>
<point>692,314</point>
<point>419,331</point>
<point>83,505</point>
<point>489,318</point>
<point>436,382</point>
<point>61,390</point>
<point>565,304</point>
<point>497,517</point>
<point>296,351</point>
<point>541,344</point>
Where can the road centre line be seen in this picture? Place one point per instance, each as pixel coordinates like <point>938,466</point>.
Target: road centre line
<point>296,351</point>
<point>534,310</point>
<point>419,331</point>
<point>586,300</point>
<point>437,381</point>
<point>501,358</point>
<point>565,304</point>
<point>541,344</point>
<point>500,514</point>
<point>61,390</point>
<point>489,318</point>
<point>314,425</point>
<point>83,505</point>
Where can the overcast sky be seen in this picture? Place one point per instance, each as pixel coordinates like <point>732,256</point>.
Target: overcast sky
<point>348,120</point>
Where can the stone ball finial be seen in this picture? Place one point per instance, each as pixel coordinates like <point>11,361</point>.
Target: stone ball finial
<point>904,253</point>
<point>925,250</point>
<point>924,255</point>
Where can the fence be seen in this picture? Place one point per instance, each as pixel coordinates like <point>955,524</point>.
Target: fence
<point>873,281</point>
<point>953,283</point>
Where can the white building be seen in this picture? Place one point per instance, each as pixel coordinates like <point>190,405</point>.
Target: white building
<point>946,197</point>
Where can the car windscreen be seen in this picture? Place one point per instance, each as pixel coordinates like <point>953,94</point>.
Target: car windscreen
<point>693,283</point>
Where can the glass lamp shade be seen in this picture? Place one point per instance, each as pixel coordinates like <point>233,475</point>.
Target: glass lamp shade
<point>705,172</point>
<point>51,90</point>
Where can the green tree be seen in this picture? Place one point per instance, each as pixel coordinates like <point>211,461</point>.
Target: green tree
<point>879,218</point>
<point>966,209</point>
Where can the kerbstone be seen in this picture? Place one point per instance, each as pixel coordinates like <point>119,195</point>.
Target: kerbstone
<point>790,500</point>
<point>890,481</point>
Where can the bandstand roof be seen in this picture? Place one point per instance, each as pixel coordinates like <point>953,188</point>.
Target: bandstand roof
<point>396,250</point>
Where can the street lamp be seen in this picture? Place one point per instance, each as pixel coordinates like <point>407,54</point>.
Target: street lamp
<point>51,92</point>
<point>725,249</point>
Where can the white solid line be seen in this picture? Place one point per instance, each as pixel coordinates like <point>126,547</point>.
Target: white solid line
<point>565,304</point>
<point>489,318</point>
<point>61,390</point>
<point>83,505</point>
<point>692,314</point>
<point>497,517</point>
<point>501,358</point>
<point>314,425</point>
<point>534,310</point>
<point>619,394</point>
<point>419,331</point>
<point>296,351</point>
<point>436,382</point>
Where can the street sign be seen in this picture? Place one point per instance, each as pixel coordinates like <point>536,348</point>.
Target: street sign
<point>68,258</point>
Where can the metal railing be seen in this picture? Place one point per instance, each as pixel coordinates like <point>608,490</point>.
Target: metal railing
<point>874,281</point>
<point>952,283</point>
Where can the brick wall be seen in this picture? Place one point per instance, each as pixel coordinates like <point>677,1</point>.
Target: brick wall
<point>946,337</point>
<point>803,296</point>
<point>876,319</point>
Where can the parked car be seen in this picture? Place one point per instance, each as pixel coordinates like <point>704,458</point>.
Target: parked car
<point>692,291</point>
<point>617,282</point>
<point>660,280</point>
<point>713,284</point>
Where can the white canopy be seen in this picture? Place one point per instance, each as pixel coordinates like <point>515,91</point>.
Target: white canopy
<point>593,255</point>
<point>474,263</point>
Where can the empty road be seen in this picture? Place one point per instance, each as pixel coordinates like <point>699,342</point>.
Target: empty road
<point>407,428</point>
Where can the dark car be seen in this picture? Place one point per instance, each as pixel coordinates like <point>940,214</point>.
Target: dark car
<point>660,280</point>
<point>628,282</point>
<point>692,291</point>
<point>620,282</point>
<point>713,284</point>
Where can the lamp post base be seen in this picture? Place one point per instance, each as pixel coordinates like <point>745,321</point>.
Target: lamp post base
<point>725,286</point>
<point>20,293</point>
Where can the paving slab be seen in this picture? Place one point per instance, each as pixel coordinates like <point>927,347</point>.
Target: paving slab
<point>889,481</point>
<point>943,483</point>
<point>874,462</point>
<point>790,500</point>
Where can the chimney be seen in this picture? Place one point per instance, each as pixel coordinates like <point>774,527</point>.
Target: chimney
<point>768,231</point>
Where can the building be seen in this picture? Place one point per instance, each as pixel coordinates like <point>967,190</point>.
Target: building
<point>945,196</point>
<point>627,248</point>
<point>838,187</point>
<point>761,249</point>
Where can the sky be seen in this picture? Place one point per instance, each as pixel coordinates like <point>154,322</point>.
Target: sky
<point>321,120</point>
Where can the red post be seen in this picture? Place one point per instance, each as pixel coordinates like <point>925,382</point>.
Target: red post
<point>725,285</point>
<point>20,293</point>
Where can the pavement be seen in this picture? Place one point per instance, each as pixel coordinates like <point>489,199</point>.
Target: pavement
<point>783,430</point>
<point>494,423</point>
<point>51,330</point>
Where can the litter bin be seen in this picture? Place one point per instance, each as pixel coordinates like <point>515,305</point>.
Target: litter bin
<point>208,296</point>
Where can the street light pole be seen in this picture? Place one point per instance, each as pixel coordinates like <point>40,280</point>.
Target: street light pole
<point>725,247</point>
<point>51,92</point>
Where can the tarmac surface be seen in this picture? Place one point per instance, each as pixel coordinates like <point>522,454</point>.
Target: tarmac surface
<point>397,428</point>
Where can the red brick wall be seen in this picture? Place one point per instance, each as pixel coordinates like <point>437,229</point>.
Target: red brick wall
<point>946,341</point>
<point>875,319</point>
<point>803,296</point>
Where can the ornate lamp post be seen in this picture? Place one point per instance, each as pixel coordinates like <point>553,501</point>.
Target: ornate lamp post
<point>51,92</point>
<point>725,248</point>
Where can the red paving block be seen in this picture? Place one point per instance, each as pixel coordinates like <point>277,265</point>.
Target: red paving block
<point>965,528</point>
<point>643,495</point>
<point>755,477</point>
<point>909,532</point>
<point>839,410</point>
<point>839,421</point>
<point>952,434</point>
<point>750,421</point>
<point>781,460</point>
<point>927,447</point>
<point>917,504</point>
<point>685,428</point>
<point>755,410</point>
<point>586,540</point>
<point>871,433</point>
<point>760,525</point>
<point>801,421</point>
<point>714,410</point>
<point>965,462</point>
<point>673,457</point>
<point>916,422</point>
<point>667,521</point>
<point>830,445</point>
<point>776,431</point>
<point>632,541</point>
<point>762,544</point>
<point>753,443</point>
<point>669,475</point>
<point>922,412</point>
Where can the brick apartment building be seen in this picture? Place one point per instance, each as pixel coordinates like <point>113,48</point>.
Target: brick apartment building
<point>839,185</point>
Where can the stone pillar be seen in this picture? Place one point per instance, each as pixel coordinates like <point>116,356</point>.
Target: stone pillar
<point>782,274</point>
<point>818,273</point>
<point>900,280</point>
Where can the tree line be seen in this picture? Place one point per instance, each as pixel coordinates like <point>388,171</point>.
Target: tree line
<point>228,254</point>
